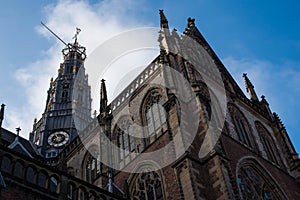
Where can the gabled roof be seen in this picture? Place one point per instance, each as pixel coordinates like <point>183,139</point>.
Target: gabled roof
<point>18,143</point>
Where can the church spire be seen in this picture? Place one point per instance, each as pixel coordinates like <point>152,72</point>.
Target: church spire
<point>103,98</point>
<point>163,20</point>
<point>250,88</point>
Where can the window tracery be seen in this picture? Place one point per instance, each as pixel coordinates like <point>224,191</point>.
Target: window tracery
<point>267,142</point>
<point>255,185</point>
<point>155,115</point>
<point>241,126</point>
<point>92,167</point>
<point>148,186</point>
<point>125,137</point>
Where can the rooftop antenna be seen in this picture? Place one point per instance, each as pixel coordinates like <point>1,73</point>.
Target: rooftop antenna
<point>54,33</point>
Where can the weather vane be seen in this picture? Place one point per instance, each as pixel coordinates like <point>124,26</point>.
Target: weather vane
<point>76,34</point>
<point>73,47</point>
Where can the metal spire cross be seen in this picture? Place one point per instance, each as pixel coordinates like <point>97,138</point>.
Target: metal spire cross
<point>76,34</point>
<point>18,130</point>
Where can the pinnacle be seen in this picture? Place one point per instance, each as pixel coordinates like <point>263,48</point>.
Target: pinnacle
<point>163,20</point>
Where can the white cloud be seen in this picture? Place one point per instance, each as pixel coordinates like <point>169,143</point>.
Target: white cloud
<point>98,22</point>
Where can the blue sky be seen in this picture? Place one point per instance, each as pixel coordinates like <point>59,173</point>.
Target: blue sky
<point>261,38</point>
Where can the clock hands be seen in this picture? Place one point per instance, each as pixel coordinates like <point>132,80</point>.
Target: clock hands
<point>57,138</point>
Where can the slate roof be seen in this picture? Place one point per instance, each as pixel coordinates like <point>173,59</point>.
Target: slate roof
<point>20,144</point>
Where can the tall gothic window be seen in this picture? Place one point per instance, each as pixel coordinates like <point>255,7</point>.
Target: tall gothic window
<point>267,142</point>
<point>125,137</point>
<point>92,167</point>
<point>254,184</point>
<point>148,186</point>
<point>241,126</point>
<point>155,115</point>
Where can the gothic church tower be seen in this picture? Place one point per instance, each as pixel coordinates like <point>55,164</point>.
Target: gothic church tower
<point>69,98</point>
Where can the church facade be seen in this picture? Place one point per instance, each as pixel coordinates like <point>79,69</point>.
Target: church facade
<point>182,129</point>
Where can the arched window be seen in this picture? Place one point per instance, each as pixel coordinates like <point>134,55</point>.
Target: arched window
<point>254,183</point>
<point>42,179</point>
<point>30,174</point>
<point>148,186</point>
<point>267,142</point>
<point>53,183</point>
<point>71,191</point>
<point>91,167</point>
<point>155,115</point>
<point>241,126</point>
<point>5,164</point>
<point>18,169</point>
<point>71,171</point>
<point>92,195</point>
<point>125,137</point>
<point>81,194</point>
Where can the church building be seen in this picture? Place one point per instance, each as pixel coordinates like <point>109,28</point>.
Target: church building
<point>182,129</point>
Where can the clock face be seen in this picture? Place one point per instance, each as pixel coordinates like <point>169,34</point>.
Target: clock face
<point>58,139</point>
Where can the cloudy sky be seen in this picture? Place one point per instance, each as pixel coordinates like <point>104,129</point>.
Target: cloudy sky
<point>261,38</point>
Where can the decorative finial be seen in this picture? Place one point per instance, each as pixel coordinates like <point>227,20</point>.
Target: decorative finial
<point>18,131</point>
<point>51,80</point>
<point>163,20</point>
<point>250,88</point>
<point>76,34</point>
<point>95,113</point>
<point>35,121</point>
<point>191,22</point>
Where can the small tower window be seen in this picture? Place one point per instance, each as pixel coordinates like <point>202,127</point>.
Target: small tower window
<point>65,95</point>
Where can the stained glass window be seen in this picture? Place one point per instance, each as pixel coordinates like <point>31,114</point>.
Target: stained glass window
<point>254,185</point>
<point>148,186</point>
